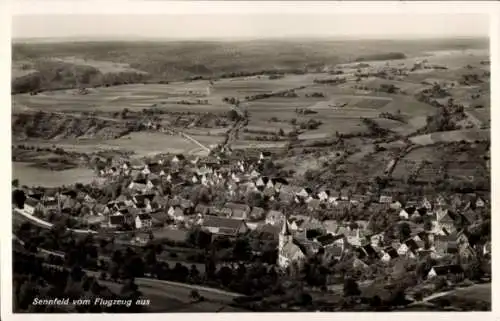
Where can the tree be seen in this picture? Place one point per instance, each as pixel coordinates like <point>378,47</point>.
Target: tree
<point>195,295</point>
<point>241,249</point>
<point>404,231</point>
<point>124,113</point>
<point>351,288</point>
<point>194,273</point>
<point>233,115</point>
<point>225,275</point>
<point>18,198</point>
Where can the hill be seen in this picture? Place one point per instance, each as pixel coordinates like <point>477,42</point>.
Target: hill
<point>94,63</point>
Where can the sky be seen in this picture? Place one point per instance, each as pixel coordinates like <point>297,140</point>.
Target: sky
<point>234,26</point>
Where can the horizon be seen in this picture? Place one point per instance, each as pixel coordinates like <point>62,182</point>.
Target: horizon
<point>224,27</point>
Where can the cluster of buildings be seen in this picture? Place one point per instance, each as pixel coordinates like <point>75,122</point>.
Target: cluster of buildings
<point>147,202</point>
<point>443,237</point>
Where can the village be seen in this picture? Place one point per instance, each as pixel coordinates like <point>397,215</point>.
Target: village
<point>167,197</point>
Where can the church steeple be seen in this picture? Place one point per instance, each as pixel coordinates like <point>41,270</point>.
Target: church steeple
<point>285,228</point>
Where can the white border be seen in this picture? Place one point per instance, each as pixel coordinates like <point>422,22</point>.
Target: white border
<point>225,7</point>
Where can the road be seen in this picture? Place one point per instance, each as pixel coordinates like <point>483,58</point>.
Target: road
<point>160,289</point>
<point>45,224</point>
<point>453,291</point>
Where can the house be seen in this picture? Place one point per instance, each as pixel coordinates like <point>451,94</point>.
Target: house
<point>358,199</point>
<point>224,226</point>
<point>202,209</point>
<point>141,201</point>
<point>345,194</point>
<point>404,214</point>
<point>264,155</point>
<point>116,220</point>
<point>419,240</point>
<point>324,195</point>
<point>176,213</point>
<point>94,220</point>
<point>389,253</point>
<point>446,221</point>
<point>274,217</point>
<point>352,235</point>
<point>331,226</point>
<point>334,196</point>
<point>239,211</point>
<point>329,239</point>
<point>396,205</point>
<point>138,186</point>
<point>445,270</point>
<point>288,251</point>
<point>178,158</point>
<point>440,202</point>
<point>470,216</point>
<point>143,221</point>
<point>254,174</point>
<point>232,188</point>
<point>426,204</point>
<point>376,240</point>
<point>456,201</point>
<point>385,199</point>
<point>186,204</point>
<point>262,182</point>
<point>257,213</point>
<point>304,193</point>
<point>225,211</point>
<point>314,204</point>
<point>279,182</point>
<point>270,192</point>
<point>368,252</point>
<point>235,178</point>
<point>333,252</point>
<point>487,248</point>
<point>146,170</point>
<point>31,205</point>
<point>445,244</point>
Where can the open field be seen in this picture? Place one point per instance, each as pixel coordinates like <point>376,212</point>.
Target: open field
<point>31,176</point>
<point>143,143</point>
<point>116,98</point>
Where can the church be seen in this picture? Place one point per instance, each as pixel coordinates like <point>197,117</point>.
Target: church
<point>288,250</point>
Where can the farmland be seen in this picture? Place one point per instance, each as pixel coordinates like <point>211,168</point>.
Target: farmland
<point>286,103</point>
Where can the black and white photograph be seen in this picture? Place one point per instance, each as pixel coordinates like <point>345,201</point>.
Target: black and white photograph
<point>250,162</point>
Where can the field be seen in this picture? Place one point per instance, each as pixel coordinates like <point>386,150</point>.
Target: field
<point>144,144</point>
<point>116,98</point>
<point>31,176</point>
<point>316,111</point>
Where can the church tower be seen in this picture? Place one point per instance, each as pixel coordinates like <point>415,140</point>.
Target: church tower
<point>284,237</point>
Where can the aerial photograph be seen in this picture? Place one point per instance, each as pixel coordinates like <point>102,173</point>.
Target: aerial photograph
<point>250,163</point>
